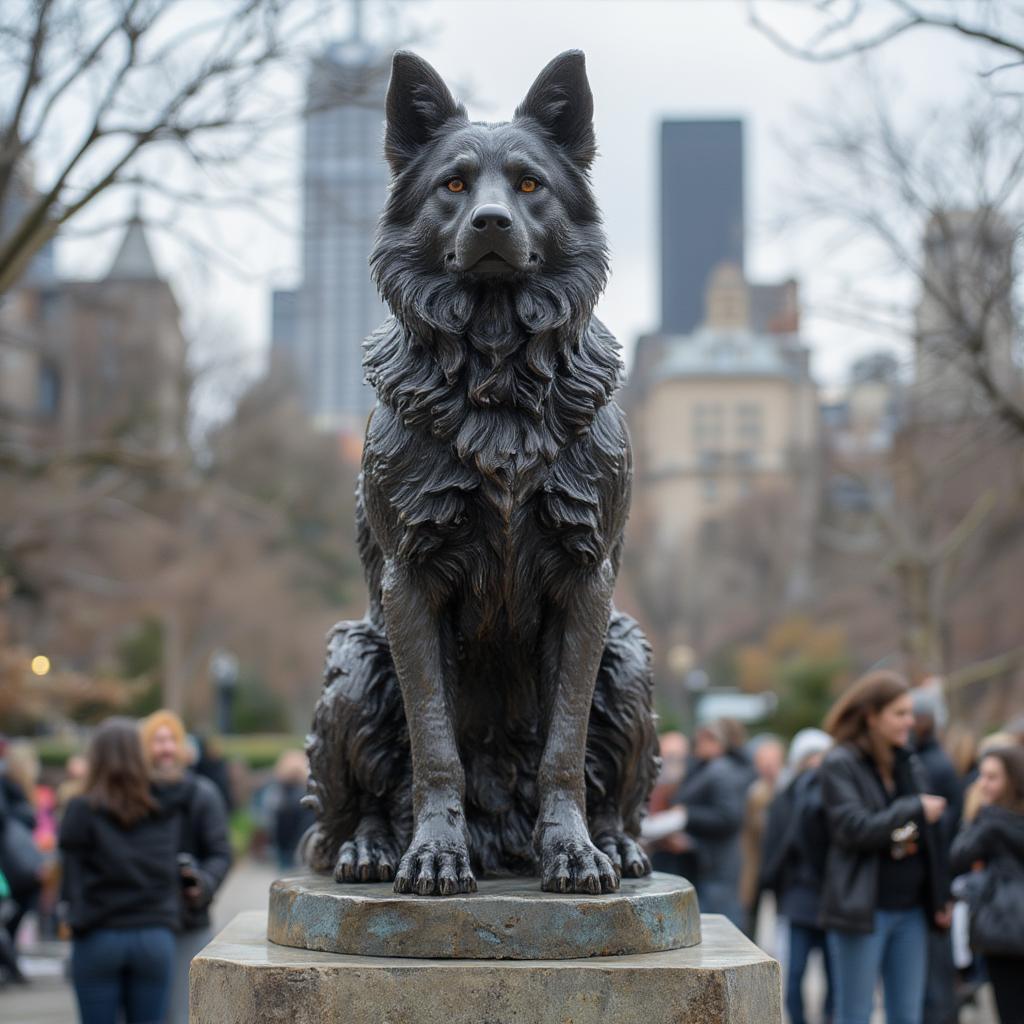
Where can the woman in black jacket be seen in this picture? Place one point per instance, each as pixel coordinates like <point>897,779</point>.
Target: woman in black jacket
<point>885,880</point>
<point>121,883</point>
<point>993,844</point>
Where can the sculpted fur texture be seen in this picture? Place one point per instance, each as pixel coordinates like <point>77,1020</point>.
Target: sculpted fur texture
<point>492,711</point>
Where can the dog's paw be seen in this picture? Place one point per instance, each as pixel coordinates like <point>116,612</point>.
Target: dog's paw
<point>435,867</point>
<point>625,853</point>
<point>573,864</point>
<point>369,858</point>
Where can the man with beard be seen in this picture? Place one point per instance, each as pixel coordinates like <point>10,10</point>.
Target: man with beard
<point>204,851</point>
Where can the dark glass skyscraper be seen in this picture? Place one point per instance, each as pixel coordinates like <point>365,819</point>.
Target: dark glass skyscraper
<point>701,213</point>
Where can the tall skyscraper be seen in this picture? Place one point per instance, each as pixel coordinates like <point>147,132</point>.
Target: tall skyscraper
<point>702,222</point>
<point>345,182</point>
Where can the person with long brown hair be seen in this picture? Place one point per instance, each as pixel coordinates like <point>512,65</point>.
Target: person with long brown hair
<point>992,845</point>
<point>119,842</point>
<point>885,880</point>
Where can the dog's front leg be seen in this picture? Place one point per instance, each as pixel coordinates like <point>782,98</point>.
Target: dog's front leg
<point>569,861</point>
<point>437,861</point>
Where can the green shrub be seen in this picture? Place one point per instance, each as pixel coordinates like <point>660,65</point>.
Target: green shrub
<point>259,750</point>
<point>256,751</point>
<point>241,828</point>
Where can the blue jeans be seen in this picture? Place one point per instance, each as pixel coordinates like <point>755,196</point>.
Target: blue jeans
<point>897,950</point>
<point>801,941</point>
<point>122,968</point>
<point>186,945</point>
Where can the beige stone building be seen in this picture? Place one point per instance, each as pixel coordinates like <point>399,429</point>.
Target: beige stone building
<point>720,418</point>
<point>722,413</point>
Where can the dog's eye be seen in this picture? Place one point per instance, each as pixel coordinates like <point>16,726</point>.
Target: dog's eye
<point>529,185</point>
<point>456,185</point>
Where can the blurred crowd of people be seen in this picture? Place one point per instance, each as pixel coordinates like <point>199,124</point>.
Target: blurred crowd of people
<point>896,858</point>
<point>893,849</point>
<point>125,855</point>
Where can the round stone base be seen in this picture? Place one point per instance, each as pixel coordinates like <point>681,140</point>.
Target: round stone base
<point>507,919</point>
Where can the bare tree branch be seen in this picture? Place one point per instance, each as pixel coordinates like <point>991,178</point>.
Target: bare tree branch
<point>907,17</point>
<point>161,84</point>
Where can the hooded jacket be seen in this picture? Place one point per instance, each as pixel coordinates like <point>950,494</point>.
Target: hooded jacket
<point>860,821</point>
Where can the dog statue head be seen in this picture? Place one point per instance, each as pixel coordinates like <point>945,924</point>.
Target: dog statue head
<point>490,228</point>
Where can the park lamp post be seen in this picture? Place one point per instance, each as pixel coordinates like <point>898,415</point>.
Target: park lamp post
<point>224,672</point>
<point>681,660</point>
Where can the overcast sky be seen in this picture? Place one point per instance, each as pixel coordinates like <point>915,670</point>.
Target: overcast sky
<point>647,60</point>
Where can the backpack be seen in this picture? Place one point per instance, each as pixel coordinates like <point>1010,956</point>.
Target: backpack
<point>996,910</point>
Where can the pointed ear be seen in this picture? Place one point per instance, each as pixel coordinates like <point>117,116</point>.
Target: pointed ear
<point>561,102</point>
<point>418,104</point>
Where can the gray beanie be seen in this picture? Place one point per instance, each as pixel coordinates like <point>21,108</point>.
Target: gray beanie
<point>927,699</point>
<point>805,743</point>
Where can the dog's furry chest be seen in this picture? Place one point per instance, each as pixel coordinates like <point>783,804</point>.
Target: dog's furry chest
<point>502,530</point>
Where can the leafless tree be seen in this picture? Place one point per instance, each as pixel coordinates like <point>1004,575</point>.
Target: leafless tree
<point>930,546</point>
<point>92,90</point>
<point>934,206</point>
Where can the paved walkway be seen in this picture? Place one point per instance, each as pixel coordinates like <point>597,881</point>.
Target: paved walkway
<point>49,1000</point>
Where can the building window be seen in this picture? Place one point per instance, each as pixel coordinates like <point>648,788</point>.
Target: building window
<point>748,424</point>
<point>708,423</point>
<point>709,488</point>
<point>746,460</point>
<point>48,390</point>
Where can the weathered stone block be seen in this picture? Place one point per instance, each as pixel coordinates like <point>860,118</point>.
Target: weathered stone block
<point>241,978</point>
<point>507,919</point>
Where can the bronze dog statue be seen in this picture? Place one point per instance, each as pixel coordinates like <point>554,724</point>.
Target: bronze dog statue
<point>492,712</point>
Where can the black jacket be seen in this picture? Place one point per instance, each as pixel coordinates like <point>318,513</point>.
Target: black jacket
<point>715,794</point>
<point>14,803</point>
<point>942,781</point>
<point>790,860</point>
<point>117,877</point>
<point>20,859</point>
<point>860,824</point>
<point>996,839</point>
<point>203,834</point>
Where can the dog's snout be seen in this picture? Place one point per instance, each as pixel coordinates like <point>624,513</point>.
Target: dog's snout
<point>491,215</point>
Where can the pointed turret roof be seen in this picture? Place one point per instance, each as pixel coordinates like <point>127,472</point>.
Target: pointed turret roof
<point>134,260</point>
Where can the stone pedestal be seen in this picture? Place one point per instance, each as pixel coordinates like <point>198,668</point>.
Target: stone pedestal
<point>507,919</point>
<point>242,978</point>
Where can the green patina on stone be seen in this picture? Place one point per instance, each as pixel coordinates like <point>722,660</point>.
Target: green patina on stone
<point>507,919</point>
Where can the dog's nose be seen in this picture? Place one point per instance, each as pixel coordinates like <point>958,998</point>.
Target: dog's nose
<point>491,215</point>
